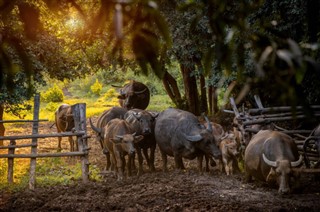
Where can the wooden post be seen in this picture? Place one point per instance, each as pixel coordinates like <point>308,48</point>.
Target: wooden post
<point>11,150</point>
<point>33,161</point>
<point>79,115</point>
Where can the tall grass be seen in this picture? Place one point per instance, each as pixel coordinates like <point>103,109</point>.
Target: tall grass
<point>49,172</point>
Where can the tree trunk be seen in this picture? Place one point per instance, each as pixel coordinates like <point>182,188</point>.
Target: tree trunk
<point>204,105</point>
<point>313,7</point>
<point>210,100</point>
<point>170,84</point>
<point>2,129</point>
<point>213,100</point>
<point>191,91</point>
<point>215,108</point>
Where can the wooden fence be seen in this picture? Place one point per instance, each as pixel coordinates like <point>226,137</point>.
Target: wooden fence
<point>272,115</point>
<point>79,115</point>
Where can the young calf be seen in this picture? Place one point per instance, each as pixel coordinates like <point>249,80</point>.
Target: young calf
<point>119,140</point>
<point>229,150</point>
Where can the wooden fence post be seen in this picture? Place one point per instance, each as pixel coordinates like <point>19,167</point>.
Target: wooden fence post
<point>11,150</point>
<point>33,161</point>
<point>79,115</point>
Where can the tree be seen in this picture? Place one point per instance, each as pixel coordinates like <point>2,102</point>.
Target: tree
<point>35,41</point>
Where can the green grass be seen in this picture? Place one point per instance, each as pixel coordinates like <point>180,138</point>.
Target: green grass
<point>53,171</point>
<point>49,172</point>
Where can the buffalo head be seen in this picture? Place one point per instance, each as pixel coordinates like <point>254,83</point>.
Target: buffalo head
<point>280,172</point>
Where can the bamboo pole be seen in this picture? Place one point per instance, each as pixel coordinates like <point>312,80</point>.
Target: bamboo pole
<point>269,120</point>
<point>14,121</point>
<point>258,101</point>
<point>16,146</point>
<point>64,134</point>
<point>43,155</point>
<point>11,150</point>
<point>234,107</point>
<point>35,129</point>
<point>280,109</point>
<point>79,115</point>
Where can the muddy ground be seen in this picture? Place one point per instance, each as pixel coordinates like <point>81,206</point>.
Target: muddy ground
<point>171,191</point>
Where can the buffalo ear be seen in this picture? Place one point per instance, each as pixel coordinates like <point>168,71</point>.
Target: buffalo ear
<point>138,138</point>
<point>271,176</point>
<point>116,140</point>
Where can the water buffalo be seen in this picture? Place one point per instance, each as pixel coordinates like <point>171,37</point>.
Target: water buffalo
<point>229,150</point>
<point>104,118</point>
<point>270,156</point>
<point>180,134</point>
<point>65,123</point>
<point>134,95</point>
<point>217,131</point>
<point>143,123</point>
<point>119,138</point>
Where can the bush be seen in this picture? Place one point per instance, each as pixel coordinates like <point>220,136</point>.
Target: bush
<point>54,94</point>
<point>51,106</point>
<point>111,93</point>
<point>96,88</point>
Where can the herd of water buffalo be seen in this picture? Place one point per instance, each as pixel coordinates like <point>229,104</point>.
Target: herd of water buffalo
<point>125,131</point>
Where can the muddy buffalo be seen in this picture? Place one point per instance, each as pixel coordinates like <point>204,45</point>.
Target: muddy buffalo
<point>65,123</point>
<point>143,123</point>
<point>134,95</point>
<point>118,141</point>
<point>103,120</point>
<point>270,156</point>
<point>180,134</point>
<point>229,150</point>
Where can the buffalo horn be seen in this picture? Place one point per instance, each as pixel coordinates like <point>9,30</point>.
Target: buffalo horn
<point>140,92</point>
<point>209,127</point>
<point>96,129</point>
<point>296,163</point>
<point>224,136</point>
<point>269,162</point>
<point>119,136</point>
<point>137,115</point>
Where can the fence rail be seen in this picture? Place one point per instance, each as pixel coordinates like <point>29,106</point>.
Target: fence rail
<point>78,111</point>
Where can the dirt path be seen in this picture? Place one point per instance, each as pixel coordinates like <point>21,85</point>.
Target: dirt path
<point>172,191</point>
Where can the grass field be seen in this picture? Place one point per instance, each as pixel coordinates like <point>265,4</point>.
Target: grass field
<point>51,171</point>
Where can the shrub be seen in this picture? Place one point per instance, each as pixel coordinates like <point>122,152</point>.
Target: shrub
<point>54,94</point>
<point>51,106</point>
<point>96,88</point>
<point>111,93</point>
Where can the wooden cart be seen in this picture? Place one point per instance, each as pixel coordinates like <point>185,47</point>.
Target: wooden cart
<point>275,117</point>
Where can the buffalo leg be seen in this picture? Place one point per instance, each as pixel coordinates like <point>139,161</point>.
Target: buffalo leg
<point>164,161</point>
<point>178,162</point>
<point>129,165</point>
<point>107,154</point>
<point>152,151</point>
<point>140,159</point>
<point>71,142</point>
<point>59,144</point>
<point>200,159</point>
<point>207,160</point>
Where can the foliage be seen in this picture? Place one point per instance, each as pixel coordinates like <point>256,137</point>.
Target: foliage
<point>51,106</point>
<point>54,94</point>
<point>96,88</point>
<point>111,93</point>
